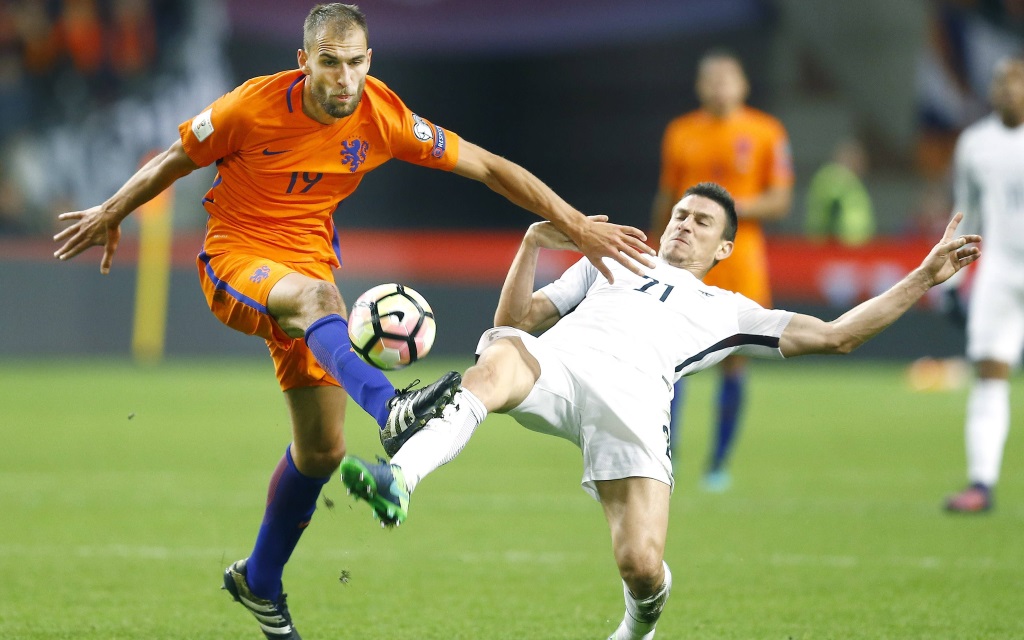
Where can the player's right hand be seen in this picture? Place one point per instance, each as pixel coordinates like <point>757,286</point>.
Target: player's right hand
<point>90,228</point>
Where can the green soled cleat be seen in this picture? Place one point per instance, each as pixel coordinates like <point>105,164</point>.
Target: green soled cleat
<point>380,484</point>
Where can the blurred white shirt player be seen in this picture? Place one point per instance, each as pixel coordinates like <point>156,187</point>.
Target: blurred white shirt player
<point>989,190</point>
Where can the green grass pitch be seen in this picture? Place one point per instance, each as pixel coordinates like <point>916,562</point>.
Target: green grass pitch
<point>124,492</point>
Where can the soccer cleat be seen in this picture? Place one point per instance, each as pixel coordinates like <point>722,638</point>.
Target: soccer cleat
<point>976,498</point>
<point>410,409</point>
<point>274,619</point>
<point>717,481</point>
<point>381,484</point>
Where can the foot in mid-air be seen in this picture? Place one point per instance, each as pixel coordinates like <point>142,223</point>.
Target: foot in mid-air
<point>274,619</point>
<point>410,409</point>
<point>976,498</point>
<point>381,484</point>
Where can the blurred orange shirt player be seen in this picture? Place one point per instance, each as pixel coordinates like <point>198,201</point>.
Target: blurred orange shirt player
<point>744,150</point>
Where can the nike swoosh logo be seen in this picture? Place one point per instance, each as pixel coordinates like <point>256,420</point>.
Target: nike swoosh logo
<point>268,152</point>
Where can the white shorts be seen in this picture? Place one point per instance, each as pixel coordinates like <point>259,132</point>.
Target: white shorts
<point>620,421</point>
<point>995,320</point>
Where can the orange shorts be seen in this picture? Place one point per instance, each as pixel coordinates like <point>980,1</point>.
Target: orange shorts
<point>746,270</point>
<point>237,287</point>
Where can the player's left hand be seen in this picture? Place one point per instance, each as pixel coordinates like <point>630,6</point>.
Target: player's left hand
<point>600,239</point>
<point>90,228</point>
<point>951,254</point>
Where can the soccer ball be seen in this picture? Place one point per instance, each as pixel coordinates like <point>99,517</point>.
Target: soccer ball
<point>391,326</point>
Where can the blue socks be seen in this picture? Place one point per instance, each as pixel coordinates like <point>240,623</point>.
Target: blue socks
<point>328,339</point>
<point>730,401</point>
<point>291,500</point>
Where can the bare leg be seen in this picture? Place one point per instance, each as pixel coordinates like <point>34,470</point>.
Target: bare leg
<point>637,513</point>
<point>500,380</point>
<point>316,450</point>
<point>503,375</point>
<point>313,309</point>
<point>318,418</point>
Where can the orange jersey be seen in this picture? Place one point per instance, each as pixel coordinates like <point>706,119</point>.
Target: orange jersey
<point>281,174</point>
<point>747,153</point>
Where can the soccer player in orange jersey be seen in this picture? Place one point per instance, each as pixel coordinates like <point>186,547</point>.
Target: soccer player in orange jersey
<point>289,148</point>
<point>747,152</point>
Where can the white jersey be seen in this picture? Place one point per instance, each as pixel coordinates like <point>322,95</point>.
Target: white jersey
<point>665,324</point>
<point>989,186</point>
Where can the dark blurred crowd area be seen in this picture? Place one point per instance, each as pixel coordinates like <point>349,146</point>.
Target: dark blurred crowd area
<point>61,60</point>
<point>965,40</point>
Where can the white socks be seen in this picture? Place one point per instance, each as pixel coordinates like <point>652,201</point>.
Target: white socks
<point>441,439</point>
<point>642,615</point>
<point>988,422</point>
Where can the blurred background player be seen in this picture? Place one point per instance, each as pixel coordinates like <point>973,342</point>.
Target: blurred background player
<point>289,147</point>
<point>989,189</point>
<point>838,205</point>
<point>747,152</point>
<point>557,383</point>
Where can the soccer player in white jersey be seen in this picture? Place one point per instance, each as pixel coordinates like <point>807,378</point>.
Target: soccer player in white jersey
<point>989,190</point>
<point>601,375</point>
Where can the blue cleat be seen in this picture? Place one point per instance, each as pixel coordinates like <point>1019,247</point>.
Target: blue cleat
<point>381,484</point>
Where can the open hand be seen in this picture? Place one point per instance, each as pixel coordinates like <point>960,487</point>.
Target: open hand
<point>90,228</point>
<point>601,239</point>
<point>951,253</point>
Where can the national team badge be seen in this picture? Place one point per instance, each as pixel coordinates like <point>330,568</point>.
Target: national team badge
<point>260,274</point>
<point>353,153</point>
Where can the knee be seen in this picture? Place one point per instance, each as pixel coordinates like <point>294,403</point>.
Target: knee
<point>485,374</point>
<point>313,301</point>
<point>319,299</point>
<point>318,461</point>
<point>642,570</point>
<point>487,367</point>
<point>503,376</point>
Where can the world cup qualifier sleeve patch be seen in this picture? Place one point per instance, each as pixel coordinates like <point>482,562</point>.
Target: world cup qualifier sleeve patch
<point>202,125</point>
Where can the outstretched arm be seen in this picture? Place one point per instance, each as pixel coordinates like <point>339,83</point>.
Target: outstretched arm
<point>101,225</point>
<point>519,305</point>
<point>595,236</point>
<point>805,334</point>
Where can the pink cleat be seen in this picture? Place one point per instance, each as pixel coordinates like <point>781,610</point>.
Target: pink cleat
<point>976,498</point>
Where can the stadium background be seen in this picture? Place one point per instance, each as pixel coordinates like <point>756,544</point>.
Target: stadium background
<point>578,91</point>
<point>125,490</point>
